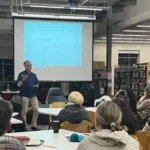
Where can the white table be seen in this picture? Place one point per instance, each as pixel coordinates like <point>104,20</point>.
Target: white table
<point>16,121</point>
<point>50,139</point>
<point>10,92</point>
<point>55,111</point>
<point>15,114</point>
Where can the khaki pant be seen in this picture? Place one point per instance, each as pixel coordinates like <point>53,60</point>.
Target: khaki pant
<point>34,104</point>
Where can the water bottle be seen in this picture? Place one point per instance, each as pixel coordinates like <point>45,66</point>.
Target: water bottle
<point>7,88</point>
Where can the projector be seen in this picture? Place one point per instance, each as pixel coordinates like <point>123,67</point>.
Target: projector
<point>74,2</point>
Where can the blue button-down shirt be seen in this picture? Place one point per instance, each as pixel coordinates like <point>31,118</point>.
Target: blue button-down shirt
<point>27,89</point>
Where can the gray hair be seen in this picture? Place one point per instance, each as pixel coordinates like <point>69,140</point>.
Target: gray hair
<point>26,61</point>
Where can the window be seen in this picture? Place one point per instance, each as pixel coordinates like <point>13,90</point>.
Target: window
<point>127,59</point>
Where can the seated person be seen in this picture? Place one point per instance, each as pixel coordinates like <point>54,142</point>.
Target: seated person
<point>102,99</point>
<point>6,142</point>
<point>143,105</point>
<point>110,135</point>
<point>123,94</point>
<point>129,119</point>
<point>74,111</point>
<point>147,125</point>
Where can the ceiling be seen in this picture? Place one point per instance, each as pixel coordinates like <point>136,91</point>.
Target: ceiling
<point>137,33</point>
<point>6,23</point>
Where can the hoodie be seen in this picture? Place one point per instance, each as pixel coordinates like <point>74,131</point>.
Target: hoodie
<point>107,140</point>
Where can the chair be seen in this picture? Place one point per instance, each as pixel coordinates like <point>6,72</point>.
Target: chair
<point>148,143</point>
<point>92,118</point>
<point>83,127</point>
<point>57,105</point>
<point>142,136</point>
<point>55,95</point>
<point>141,148</point>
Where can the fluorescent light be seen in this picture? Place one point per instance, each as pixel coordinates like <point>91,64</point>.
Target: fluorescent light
<point>129,35</point>
<point>143,26</point>
<point>47,6</point>
<point>119,38</point>
<point>140,31</point>
<point>87,8</point>
<point>56,16</point>
<point>66,7</point>
<point>119,41</point>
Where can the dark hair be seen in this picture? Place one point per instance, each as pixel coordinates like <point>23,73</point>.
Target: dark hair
<point>6,111</point>
<point>148,121</point>
<point>131,96</point>
<point>128,116</point>
<point>147,90</point>
<point>123,94</point>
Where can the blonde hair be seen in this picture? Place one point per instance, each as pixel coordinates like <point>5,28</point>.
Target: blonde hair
<point>147,90</point>
<point>109,116</point>
<point>76,97</point>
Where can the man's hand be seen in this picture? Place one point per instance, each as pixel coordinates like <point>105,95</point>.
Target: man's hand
<point>36,86</point>
<point>24,77</point>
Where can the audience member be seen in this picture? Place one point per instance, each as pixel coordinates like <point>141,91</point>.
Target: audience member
<point>6,142</point>
<point>143,105</point>
<point>123,94</point>
<point>102,99</point>
<point>147,125</point>
<point>128,117</point>
<point>74,112</point>
<point>131,96</point>
<point>110,135</point>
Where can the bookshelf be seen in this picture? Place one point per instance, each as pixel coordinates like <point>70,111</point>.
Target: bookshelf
<point>136,77</point>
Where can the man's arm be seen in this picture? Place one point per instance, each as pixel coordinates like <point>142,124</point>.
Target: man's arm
<point>36,82</point>
<point>21,79</point>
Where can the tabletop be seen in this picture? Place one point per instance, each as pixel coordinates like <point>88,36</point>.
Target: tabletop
<point>10,92</point>
<point>57,140</point>
<point>16,121</point>
<point>55,111</point>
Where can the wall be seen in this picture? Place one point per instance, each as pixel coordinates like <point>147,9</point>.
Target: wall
<point>100,53</point>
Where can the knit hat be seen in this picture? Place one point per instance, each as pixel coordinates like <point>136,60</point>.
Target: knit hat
<point>76,97</point>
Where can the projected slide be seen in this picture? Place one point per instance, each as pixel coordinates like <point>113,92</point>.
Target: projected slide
<point>53,43</point>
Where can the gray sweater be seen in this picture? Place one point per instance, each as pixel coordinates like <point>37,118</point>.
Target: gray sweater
<point>107,140</point>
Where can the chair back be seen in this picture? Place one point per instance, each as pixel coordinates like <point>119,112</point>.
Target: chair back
<point>55,95</point>
<point>141,148</point>
<point>57,105</point>
<point>142,136</point>
<point>83,127</point>
<point>148,143</point>
<point>92,118</point>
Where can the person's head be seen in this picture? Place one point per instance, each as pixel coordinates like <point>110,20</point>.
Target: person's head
<point>131,97</point>
<point>108,116</point>
<point>128,116</point>
<point>76,97</point>
<point>6,111</point>
<point>102,99</point>
<point>147,92</point>
<point>122,94</point>
<point>28,66</point>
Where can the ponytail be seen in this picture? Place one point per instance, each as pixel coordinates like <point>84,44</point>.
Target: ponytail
<point>114,127</point>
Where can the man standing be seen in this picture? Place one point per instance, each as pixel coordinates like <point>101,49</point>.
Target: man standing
<point>28,82</point>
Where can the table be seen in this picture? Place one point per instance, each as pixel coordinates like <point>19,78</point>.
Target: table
<point>55,111</point>
<point>7,95</point>
<point>50,139</point>
<point>15,114</point>
<point>16,121</point>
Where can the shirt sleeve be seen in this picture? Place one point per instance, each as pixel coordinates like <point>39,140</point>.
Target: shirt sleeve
<point>19,77</point>
<point>36,80</point>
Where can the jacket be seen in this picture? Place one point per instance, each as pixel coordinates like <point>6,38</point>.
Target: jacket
<point>73,113</point>
<point>143,109</point>
<point>147,127</point>
<point>107,140</point>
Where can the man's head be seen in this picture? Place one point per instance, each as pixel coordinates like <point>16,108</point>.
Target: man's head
<point>6,111</point>
<point>28,65</point>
